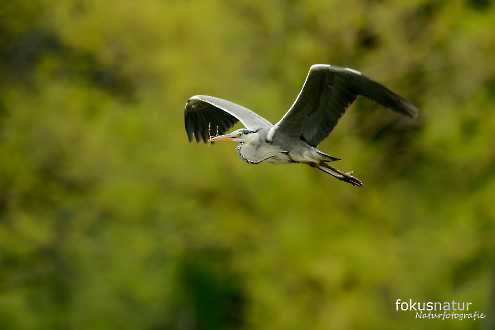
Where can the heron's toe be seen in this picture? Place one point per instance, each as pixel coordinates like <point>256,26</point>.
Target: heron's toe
<point>354,181</point>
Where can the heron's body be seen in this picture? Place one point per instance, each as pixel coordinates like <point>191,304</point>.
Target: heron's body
<point>327,92</point>
<point>255,151</point>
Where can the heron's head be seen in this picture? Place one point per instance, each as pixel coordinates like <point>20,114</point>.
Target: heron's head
<point>239,135</point>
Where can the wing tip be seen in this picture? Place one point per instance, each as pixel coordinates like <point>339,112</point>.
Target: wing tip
<point>410,109</point>
<point>191,131</point>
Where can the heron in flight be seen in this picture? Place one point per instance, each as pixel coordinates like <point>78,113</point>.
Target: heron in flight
<point>324,97</point>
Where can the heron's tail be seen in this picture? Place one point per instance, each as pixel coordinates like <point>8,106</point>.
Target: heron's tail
<point>326,157</point>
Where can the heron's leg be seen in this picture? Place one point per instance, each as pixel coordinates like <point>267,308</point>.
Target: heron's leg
<point>346,177</point>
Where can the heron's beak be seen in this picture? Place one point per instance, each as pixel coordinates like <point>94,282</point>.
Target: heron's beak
<point>226,137</point>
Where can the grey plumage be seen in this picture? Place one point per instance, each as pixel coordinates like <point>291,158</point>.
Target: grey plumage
<point>327,92</point>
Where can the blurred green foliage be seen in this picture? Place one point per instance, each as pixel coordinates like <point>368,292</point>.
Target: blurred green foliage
<point>110,220</point>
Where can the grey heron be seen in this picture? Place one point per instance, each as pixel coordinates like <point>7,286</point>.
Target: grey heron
<point>326,94</point>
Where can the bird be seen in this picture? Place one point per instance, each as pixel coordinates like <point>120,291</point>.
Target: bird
<point>324,97</point>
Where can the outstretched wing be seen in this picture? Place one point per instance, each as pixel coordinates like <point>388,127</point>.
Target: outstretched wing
<point>324,97</point>
<point>205,115</point>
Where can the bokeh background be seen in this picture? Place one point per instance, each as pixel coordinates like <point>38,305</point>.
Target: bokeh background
<point>109,219</point>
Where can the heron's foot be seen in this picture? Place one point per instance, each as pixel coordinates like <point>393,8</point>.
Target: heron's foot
<point>347,177</point>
